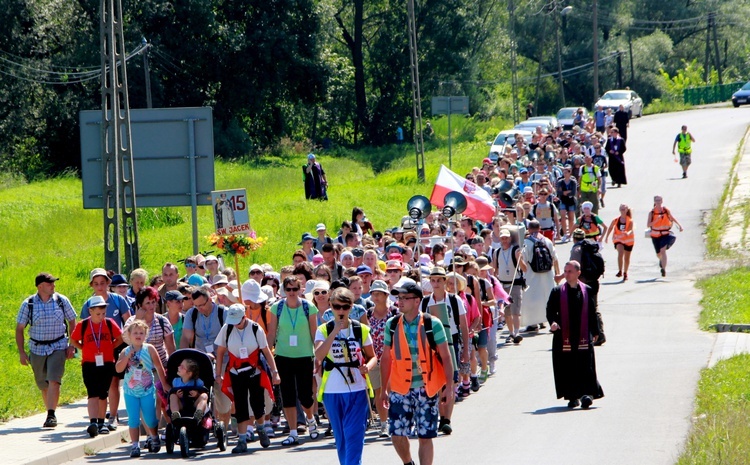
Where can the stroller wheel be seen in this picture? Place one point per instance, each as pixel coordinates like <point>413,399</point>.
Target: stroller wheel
<point>184,442</point>
<point>220,434</point>
<point>169,438</point>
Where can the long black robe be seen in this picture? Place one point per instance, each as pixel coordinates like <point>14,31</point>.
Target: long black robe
<point>621,120</point>
<point>616,150</point>
<point>314,185</point>
<point>575,371</point>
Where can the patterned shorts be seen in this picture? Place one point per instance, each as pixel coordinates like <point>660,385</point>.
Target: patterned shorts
<point>414,410</point>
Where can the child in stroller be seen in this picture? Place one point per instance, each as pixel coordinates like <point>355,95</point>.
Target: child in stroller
<point>188,376</point>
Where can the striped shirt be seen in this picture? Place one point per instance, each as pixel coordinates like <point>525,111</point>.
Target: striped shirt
<point>49,322</point>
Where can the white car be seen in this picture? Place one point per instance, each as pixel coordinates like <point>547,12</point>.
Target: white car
<point>497,146</point>
<point>550,122</point>
<point>566,116</point>
<point>632,103</point>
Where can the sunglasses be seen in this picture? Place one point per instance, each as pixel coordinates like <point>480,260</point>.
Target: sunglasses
<point>291,289</point>
<point>256,272</point>
<point>320,293</point>
<point>189,265</point>
<point>201,267</point>
<point>341,307</point>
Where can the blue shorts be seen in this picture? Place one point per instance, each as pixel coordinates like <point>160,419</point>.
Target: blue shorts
<point>414,410</point>
<point>482,343</point>
<point>570,208</point>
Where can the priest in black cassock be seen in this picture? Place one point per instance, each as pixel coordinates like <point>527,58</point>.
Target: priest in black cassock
<point>571,312</point>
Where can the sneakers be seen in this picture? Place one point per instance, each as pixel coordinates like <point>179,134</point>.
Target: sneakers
<point>445,427</point>
<point>240,448</point>
<point>155,445</point>
<point>111,423</point>
<point>492,368</point>
<point>149,443</point>
<point>384,430</point>
<point>198,415</point>
<point>464,391</point>
<point>601,201</point>
<point>475,383</point>
<point>135,451</point>
<point>483,376</point>
<point>509,339</point>
<point>663,272</point>
<point>50,422</point>
<point>92,430</point>
<point>586,402</point>
<point>517,339</point>
<point>684,175</point>
<point>263,437</point>
<point>176,416</point>
<point>103,429</point>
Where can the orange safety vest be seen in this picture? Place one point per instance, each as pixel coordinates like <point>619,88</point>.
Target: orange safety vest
<point>660,223</point>
<point>590,227</point>
<point>429,362</point>
<point>621,236</point>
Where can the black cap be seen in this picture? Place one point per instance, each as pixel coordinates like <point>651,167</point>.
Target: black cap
<point>408,288</point>
<point>358,252</point>
<point>173,295</point>
<point>45,278</point>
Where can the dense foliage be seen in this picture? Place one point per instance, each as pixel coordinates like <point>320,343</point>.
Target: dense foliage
<point>339,69</point>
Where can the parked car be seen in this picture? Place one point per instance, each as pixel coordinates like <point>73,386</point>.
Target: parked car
<point>496,146</point>
<point>742,96</point>
<point>632,103</point>
<point>550,120</point>
<point>565,116</point>
<point>530,125</point>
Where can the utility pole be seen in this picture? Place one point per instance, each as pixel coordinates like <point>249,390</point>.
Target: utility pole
<point>632,67</point>
<point>559,65</point>
<point>513,60</point>
<point>541,59</point>
<point>415,93</point>
<point>717,56</point>
<point>596,50</point>
<point>147,73</point>
<point>117,157</point>
<point>706,64</point>
<point>619,70</point>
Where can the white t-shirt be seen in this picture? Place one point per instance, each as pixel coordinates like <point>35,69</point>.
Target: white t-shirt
<point>337,383</point>
<point>242,338</point>
<point>447,301</point>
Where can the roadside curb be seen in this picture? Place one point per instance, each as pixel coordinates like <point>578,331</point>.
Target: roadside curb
<point>735,237</point>
<point>81,449</point>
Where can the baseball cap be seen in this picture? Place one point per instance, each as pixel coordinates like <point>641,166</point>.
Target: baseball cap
<point>317,260</point>
<point>579,233</point>
<point>363,269</point>
<point>306,237</point>
<point>96,301</point>
<point>235,314</point>
<point>379,285</point>
<point>487,161</point>
<point>310,156</point>
<point>320,227</point>
<point>528,190</point>
<point>377,235</point>
<point>408,288</point>
<point>504,233</point>
<point>98,272</point>
<point>45,278</point>
<point>196,280</point>
<point>357,252</point>
<point>173,295</point>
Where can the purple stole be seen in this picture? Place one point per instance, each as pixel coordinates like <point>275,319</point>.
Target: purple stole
<point>583,344</point>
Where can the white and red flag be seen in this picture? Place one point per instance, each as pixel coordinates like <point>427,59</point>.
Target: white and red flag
<point>479,204</point>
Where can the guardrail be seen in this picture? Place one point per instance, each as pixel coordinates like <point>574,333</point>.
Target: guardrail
<point>710,94</point>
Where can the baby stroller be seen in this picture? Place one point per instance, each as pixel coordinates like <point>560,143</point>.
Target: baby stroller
<point>186,430</point>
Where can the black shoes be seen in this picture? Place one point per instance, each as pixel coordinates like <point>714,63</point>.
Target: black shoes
<point>573,403</point>
<point>517,339</point>
<point>50,422</point>
<point>586,402</point>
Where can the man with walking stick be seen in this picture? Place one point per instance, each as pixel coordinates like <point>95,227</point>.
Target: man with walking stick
<point>508,259</point>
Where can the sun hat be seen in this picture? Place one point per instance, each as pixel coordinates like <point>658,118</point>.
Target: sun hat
<point>235,314</point>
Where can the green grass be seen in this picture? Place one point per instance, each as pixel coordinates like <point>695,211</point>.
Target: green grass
<point>726,298</point>
<point>720,433</point>
<point>665,106</point>
<point>45,228</point>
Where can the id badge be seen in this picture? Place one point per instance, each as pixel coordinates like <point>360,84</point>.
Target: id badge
<point>138,374</point>
<point>99,358</point>
<point>293,340</point>
<point>243,352</point>
<point>209,348</point>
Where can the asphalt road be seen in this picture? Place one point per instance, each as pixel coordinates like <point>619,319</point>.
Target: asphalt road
<point>654,352</point>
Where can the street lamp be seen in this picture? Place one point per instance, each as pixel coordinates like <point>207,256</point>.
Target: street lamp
<point>551,7</point>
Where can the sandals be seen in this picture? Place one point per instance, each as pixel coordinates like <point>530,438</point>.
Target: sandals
<point>290,441</point>
<point>312,428</point>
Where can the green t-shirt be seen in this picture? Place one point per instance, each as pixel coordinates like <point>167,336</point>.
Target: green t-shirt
<point>410,328</point>
<point>293,328</point>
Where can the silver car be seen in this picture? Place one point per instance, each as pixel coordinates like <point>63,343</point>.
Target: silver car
<point>632,103</point>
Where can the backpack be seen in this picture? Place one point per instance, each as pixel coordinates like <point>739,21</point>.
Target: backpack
<point>30,306</point>
<point>194,318</point>
<point>85,324</point>
<point>541,258</point>
<point>427,329</point>
<point>280,308</point>
<point>454,307</point>
<point>253,324</point>
<point>592,262</point>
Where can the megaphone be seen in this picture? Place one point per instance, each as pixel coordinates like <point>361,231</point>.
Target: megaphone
<point>419,207</point>
<point>454,203</point>
<point>509,197</point>
<point>504,186</point>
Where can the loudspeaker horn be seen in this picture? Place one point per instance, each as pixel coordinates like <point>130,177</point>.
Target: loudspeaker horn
<point>418,207</point>
<point>509,197</point>
<point>504,186</point>
<point>455,203</point>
